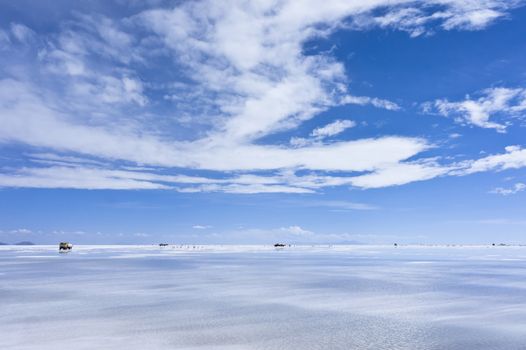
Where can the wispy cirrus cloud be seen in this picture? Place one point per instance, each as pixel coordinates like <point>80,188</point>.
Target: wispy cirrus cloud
<point>71,174</point>
<point>20,231</point>
<point>201,227</point>
<point>339,205</point>
<point>240,69</point>
<point>21,32</point>
<point>425,20</point>
<point>494,103</point>
<point>333,128</point>
<point>514,157</point>
<point>516,188</point>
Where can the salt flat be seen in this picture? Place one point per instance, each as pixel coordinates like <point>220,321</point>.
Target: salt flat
<point>254,297</point>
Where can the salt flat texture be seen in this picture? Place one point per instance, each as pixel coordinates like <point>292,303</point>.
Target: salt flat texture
<point>251,297</point>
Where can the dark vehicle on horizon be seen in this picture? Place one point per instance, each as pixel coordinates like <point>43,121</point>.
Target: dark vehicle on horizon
<point>64,247</point>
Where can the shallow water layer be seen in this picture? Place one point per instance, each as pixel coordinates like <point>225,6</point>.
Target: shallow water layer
<point>249,297</point>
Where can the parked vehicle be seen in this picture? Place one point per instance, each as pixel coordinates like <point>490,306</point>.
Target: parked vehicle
<point>65,247</point>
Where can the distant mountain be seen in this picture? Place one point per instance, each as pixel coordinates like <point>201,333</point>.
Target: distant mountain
<point>2,243</point>
<point>25,243</point>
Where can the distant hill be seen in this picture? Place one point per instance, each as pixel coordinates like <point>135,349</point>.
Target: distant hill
<point>2,243</point>
<point>25,243</point>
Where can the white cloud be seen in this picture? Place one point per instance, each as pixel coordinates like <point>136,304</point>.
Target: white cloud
<point>142,234</point>
<point>364,100</point>
<point>201,227</point>
<point>75,175</point>
<point>93,176</point>
<point>124,89</point>
<point>21,32</point>
<point>245,189</point>
<point>252,55</point>
<point>296,234</point>
<point>333,128</point>
<point>493,102</point>
<point>296,231</point>
<point>411,20</point>
<point>62,62</point>
<point>243,63</point>
<point>78,178</point>
<point>474,15</point>
<point>286,234</point>
<point>302,142</point>
<point>322,132</point>
<point>55,159</point>
<point>451,14</point>
<point>26,118</point>
<point>518,187</point>
<point>4,40</point>
<point>98,35</point>
<point>336,205</point>
<point>513,158</point>
<point>87,56</point>
<point>65,232</point>
<point>22,231</point>
<point>400,174</point>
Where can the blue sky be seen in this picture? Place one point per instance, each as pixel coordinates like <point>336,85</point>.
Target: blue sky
<point>255,122</point>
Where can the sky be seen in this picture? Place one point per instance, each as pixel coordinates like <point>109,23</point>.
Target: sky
<point>253,122</point>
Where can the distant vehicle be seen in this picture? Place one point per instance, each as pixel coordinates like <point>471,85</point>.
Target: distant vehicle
<point>279,245</point>
<point>65,247</point>
<point>163,244</point>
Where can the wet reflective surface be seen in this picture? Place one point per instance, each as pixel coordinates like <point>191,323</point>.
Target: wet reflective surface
<point>221,297</point>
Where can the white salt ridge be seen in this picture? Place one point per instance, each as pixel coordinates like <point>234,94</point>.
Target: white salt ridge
<point>257,297</point>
